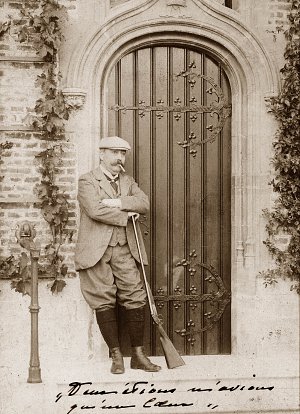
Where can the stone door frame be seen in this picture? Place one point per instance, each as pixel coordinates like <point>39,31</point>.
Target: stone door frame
<point>253,78</point>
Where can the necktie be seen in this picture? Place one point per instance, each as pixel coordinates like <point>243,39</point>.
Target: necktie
<point>113,183</point>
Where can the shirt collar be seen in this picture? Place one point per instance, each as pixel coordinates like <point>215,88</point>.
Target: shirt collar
<point>109,174</point>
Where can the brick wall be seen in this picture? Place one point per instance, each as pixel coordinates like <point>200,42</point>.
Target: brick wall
<point>19,67</point>
<point>278,12</point>
<point>20,173</point>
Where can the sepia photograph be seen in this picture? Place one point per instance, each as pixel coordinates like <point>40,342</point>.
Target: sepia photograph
<point>149,206</point>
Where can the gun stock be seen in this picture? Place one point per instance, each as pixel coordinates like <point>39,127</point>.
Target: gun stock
<point>172,357</point>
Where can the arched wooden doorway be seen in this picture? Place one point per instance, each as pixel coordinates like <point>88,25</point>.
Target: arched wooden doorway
<point>172,103</point>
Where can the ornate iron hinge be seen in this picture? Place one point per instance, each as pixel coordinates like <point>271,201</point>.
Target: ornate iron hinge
<point>219,107</point>
<point>218,299</point>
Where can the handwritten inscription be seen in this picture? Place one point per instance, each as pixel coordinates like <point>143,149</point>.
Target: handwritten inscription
<point>153,396</point>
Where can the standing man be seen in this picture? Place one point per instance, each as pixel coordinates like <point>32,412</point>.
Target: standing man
<point>106,251</point>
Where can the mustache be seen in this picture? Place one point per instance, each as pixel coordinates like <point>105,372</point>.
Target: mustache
<point>121,166</point>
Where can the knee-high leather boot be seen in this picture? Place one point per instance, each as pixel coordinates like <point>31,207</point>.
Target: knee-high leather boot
<point>135,322</point>
<point>109,329</point>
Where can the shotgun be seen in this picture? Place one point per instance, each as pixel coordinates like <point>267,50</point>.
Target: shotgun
<point>173,359</point>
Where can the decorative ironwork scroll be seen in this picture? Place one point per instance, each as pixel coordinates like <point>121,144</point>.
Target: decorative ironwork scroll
<point>220,107</point>
<point>218,299</point>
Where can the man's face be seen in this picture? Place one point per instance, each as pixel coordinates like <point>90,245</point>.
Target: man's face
<point>112,158</point>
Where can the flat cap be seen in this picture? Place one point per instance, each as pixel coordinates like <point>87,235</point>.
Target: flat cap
<point>114,143</point>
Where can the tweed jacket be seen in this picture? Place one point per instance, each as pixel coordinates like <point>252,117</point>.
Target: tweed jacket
<point>97,220</point>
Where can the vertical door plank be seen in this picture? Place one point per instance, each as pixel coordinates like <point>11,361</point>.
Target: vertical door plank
<point>112,100</point>
<point>144,150</point>
<point>160,203</point>
<point>213,153</point>
<point>226,220</point>
<point>196,202</point>
<point>126,95</point>
<point>176,276</point>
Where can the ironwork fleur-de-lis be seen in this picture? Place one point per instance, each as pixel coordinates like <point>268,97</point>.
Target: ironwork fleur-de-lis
<point>209,279</point>
<point>191,323</point>
<point>142,112</point>
<point>177,116</point>
<point>193,305</point>
<point>177,290</point>
<point>183,144</point>
<point>182,262</point>
<point>160,291</point>
<point>192,82</point>
<point>177,305</point>
<point>190,337</point>
<point>192,271</point>
<point>193,118</point>
<point>177,101</point>
<point>193,290</point>
<point>192,136</point>
<point>193,99</point>
<point>191,340</point>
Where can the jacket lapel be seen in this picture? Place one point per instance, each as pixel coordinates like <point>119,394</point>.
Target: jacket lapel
<point>103,182</point>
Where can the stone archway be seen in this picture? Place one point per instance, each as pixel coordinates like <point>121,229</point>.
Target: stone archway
<point>217,31</point>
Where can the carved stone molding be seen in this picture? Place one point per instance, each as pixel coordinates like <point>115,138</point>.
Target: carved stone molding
<point>268,100</point>
<point>175,8</point>
<point>74,98</point>
<point>176,3</point>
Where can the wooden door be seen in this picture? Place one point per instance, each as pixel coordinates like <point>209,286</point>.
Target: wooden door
<point>173,105</point>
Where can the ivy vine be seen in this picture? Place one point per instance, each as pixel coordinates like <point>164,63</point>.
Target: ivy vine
<point>284,218</point>
<point>3,147</point>
<point>4,27</point>
<point>41,26</point>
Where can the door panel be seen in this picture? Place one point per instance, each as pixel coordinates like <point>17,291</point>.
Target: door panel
<point>173,105</point>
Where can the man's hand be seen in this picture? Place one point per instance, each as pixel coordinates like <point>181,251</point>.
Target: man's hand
<point>112,202</point>
<point>134,215</point>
